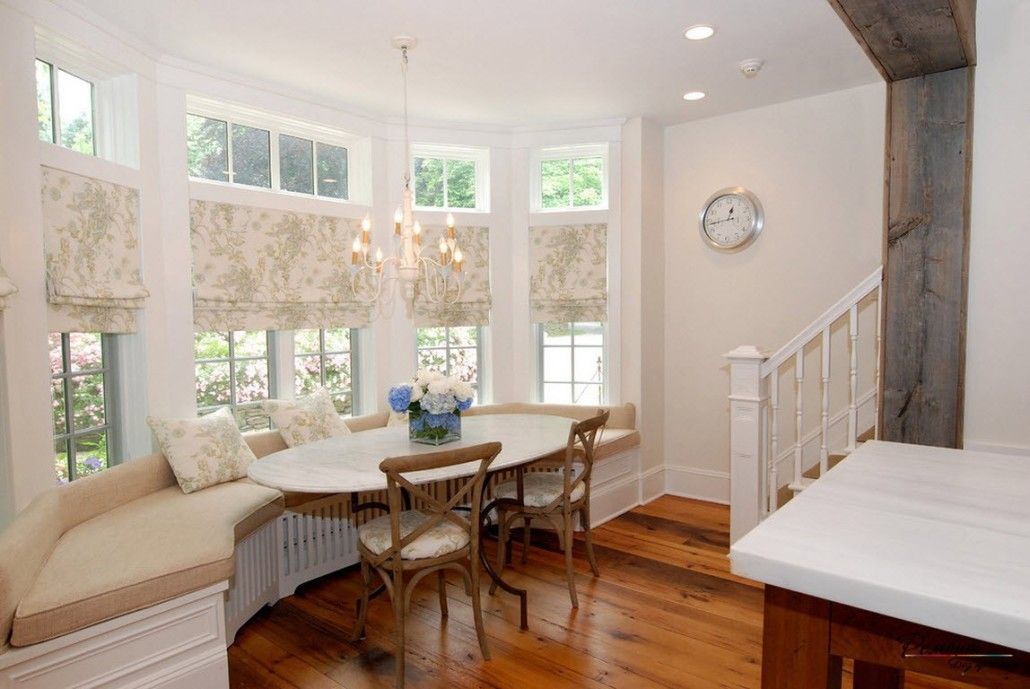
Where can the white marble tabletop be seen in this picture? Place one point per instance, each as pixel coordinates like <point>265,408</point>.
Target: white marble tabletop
<point>350,463</point>
<point>937,537</point>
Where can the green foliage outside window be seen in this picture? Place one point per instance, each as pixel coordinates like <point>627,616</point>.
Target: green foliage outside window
<point>572,183</point>
<point>207,148</point>
<point>445,183</point>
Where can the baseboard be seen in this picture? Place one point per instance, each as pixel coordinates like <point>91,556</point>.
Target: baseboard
<point>700,484</point>
<point>652,484</point>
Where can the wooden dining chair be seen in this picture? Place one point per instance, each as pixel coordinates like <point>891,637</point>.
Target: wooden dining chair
<point>554,496</point>
<point>432,538</point>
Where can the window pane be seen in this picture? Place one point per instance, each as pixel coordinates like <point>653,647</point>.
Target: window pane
<point>588,394</point>
<point>337,340</point>
<point>211,345</point>
<point>307,374</point>
<point>86,352</point>
<point>332,171</point>
<point>434,359</point>
<point>251,381</point>
<point>76,112</point>
<point>250,156</point>
<point>344,404</point>
<point>337,372</point>
<point>91,454</point>
<point>589,334</point>
<point>295,164</point>
<point>429,182</point>
<point>461,184</point>
<point>588,364</point>
<point>57,399</point>
<point>557,333</point>
<point>44,101</point>
<point>56,360</point>
<point>61,460</point>
<point>586,181</point>
<point>431,337</point>
<point>554,183</point>
<point>557,393</point>
<point>305,342</point>
<point>88,401</point>
<point>250,343</point>
<point>464,364</point>
<point>213,385</point>
<point>558,363</point>
<point>207,150</point>
<point>463,336</point>
<point>251,418</point>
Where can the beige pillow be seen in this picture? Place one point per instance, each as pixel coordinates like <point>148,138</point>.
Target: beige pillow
<point>204,451</point>
<point>306,419</point>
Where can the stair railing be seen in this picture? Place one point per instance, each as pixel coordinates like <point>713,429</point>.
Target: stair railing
<point>755,405</point>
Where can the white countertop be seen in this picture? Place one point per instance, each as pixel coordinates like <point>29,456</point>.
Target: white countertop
<point>350,463</point>
<point>937,537</point>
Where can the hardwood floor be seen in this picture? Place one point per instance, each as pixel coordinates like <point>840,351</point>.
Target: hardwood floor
<point>666,612</point>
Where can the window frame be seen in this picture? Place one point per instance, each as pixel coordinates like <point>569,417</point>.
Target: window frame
<point>354,353</point>
<point>358,150</point>
<point>605,383</point>
<point>270,357</point>
<point>478,386</point>
<point>56,67</point>
<point>478,156</point>
<point>570,153</point>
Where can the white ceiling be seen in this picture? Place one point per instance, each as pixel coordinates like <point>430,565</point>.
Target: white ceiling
<point>510,62</point>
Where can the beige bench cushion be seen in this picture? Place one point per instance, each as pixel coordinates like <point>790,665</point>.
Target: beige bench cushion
<point>616,440</point>
<point>138,554</point>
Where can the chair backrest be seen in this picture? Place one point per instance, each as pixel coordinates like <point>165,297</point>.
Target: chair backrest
<point>467,490</point>
<point>580,448</point>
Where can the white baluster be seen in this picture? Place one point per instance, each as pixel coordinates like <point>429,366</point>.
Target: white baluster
<point>879,344</point>
<point>799,410</point>
<point>824,431</point>
<point>774,444</point>
<point>853,393</point>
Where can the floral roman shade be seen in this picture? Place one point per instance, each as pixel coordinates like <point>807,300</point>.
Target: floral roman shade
<point>91,233</point>
<point>473,306</point>
<point>569,266</point>
<point>263,269</point>
<point>7,288</point>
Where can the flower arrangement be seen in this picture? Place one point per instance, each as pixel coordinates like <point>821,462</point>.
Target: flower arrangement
<point>434,403</point>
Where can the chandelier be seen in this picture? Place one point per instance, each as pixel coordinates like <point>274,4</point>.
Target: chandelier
<point>408,265</point>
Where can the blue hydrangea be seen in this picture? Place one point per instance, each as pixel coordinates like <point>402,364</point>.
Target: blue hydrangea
<point>463,405</point>
<point>451,422</point>
<point>438,403</point>
<point>400,397</point>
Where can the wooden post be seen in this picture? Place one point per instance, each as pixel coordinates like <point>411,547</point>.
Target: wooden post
<point>748,427</point>
<point>796,642</point>
<point>926,50</point>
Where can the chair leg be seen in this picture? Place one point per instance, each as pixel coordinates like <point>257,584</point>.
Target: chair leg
<point>366,581</point>
<point>502,542</point>
<point>477,606</point>
<point>527,529</point>
<point>570,571</point>
<point>584,520</point>
<point>441,579</point>
<point>398,616</point>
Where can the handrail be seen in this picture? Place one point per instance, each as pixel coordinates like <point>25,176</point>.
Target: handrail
<point>788,350</point>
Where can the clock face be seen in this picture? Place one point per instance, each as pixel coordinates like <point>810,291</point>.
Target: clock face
<point>731,219</point>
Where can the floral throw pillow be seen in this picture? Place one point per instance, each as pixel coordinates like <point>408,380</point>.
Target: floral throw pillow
<point>204,451</point>
<point>307,419</point>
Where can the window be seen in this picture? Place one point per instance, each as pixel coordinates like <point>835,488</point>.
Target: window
<point>572,178</point>
<point>325,358</point>
<point>65,108</point>
<point>223,150</point>
<point>572,363</point>
<point>453,351</point>
<point>233,370</point>
<point>450,178</point>
<point>80,386</point>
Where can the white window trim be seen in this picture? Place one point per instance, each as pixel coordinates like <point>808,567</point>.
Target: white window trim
<point>605,363</point>
<point>359,159</point>
<point>479,156</point>
<point>539,155</point>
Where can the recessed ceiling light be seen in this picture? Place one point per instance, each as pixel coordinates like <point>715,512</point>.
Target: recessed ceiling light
<point>693,95</point>
<point>699,32</point>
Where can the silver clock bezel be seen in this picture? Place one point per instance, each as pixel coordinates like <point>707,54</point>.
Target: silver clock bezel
<point>757,221</point>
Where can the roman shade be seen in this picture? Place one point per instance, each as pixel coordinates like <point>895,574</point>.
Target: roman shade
<point>7,288</point>
<point>264,269</point>
<point>569,265</point>
<point>91,233</point>
<point>473,305</point>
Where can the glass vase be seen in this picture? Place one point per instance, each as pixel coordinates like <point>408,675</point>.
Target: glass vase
<point>434,429</point>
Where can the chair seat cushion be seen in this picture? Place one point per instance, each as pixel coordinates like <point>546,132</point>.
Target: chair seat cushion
<point>141,553</point>
<point>444,538</point>
<point>541,488</point>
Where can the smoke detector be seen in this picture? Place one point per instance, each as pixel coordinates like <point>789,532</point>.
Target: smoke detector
<point>750,68</point>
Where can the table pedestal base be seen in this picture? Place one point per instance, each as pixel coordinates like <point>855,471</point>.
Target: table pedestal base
<point>805,639</point>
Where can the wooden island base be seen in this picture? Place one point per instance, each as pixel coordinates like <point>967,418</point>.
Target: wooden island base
<point>805,640</point>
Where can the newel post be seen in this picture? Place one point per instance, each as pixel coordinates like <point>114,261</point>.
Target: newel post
<point>748,418</point>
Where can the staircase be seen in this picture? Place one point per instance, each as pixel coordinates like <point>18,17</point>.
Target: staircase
<point>788,427</point>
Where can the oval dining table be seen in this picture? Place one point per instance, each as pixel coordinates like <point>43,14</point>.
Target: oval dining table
<point>350,463</point>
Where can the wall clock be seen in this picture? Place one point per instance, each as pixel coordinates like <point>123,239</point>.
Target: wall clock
<point>731,219</point>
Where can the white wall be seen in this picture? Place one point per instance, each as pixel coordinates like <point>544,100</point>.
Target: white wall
<point>997,413</point>
<point>816,164</point>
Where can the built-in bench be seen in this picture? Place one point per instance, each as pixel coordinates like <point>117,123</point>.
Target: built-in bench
<point>121,579</point>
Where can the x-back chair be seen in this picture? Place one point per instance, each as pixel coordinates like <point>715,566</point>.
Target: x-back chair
<point>433,538</point>
<point>555,497</point>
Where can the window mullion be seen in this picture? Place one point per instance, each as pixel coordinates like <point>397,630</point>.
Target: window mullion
<point>55,105</point>
<point>273,159</point>
<point>446,203</point>
<point>232,369</point>
<point>231,166</point>
<point>69,404</point>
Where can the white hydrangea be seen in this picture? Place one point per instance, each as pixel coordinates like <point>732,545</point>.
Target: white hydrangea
<point>426,376</point>
<point>441,386</point>
<point>463,390</point>
<point>416,392</point>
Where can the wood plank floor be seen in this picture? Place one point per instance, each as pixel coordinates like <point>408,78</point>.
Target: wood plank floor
<point>666,612</point>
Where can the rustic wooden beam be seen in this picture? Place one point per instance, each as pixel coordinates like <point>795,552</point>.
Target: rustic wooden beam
<point>908,38</point>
